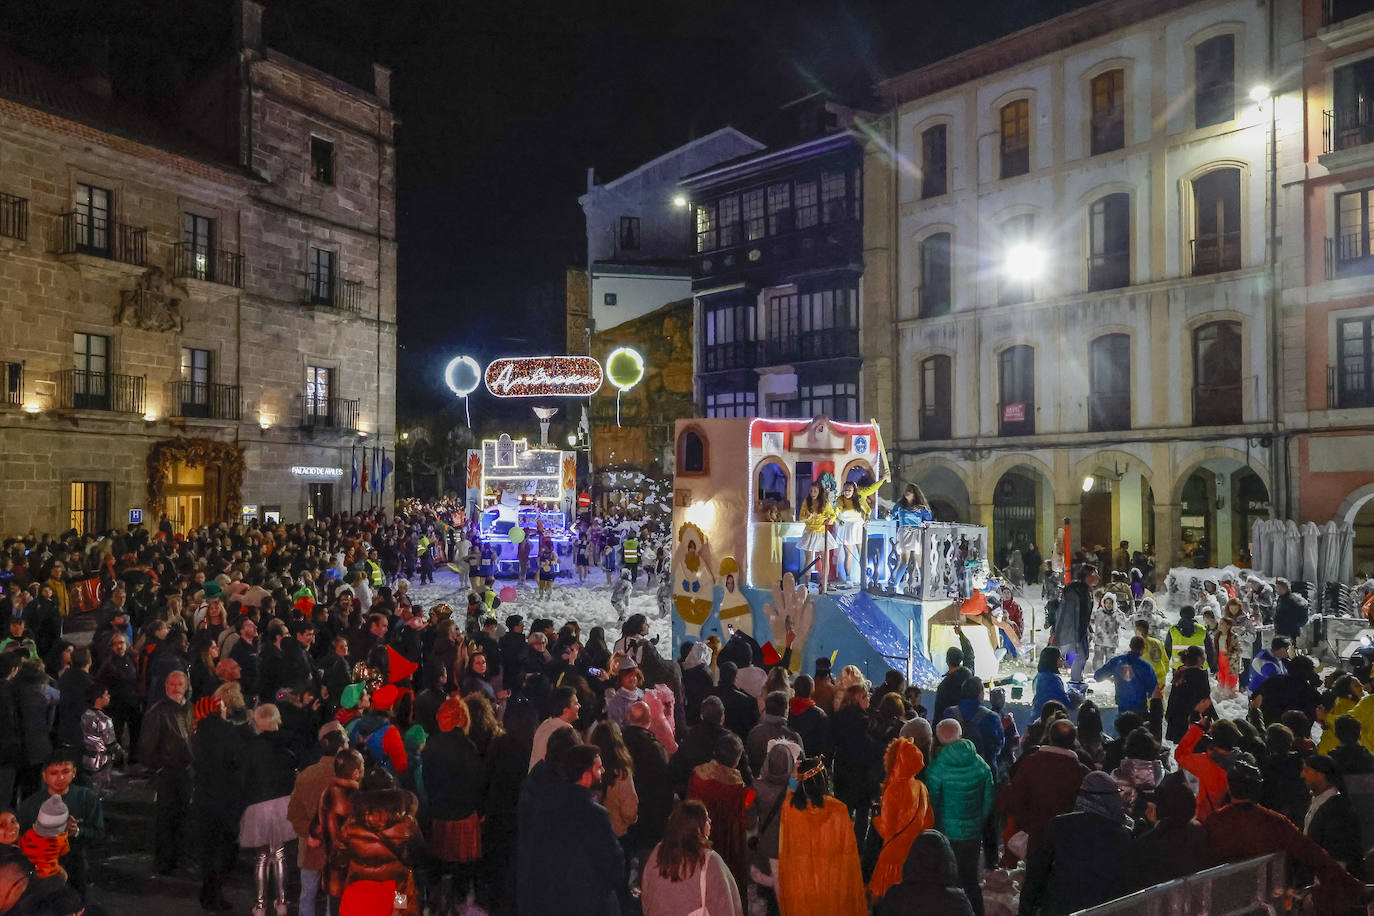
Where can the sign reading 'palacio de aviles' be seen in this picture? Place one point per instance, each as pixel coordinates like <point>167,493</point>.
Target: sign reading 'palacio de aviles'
<point>544,376</point>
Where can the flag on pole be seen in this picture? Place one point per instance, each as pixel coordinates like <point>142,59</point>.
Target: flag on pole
<point>376,470</point>
<point>364,478</point>
<point>353,459</point>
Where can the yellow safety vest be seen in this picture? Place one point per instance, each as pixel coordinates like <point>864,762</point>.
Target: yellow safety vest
<point>375,573</point>
<point>1179,642</point>
<point>631,548</point>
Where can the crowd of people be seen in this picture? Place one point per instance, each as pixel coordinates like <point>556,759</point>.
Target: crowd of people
<point>307,723</point>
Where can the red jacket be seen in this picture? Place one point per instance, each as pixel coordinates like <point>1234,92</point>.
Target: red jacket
<point>1045,786</point>
<point>1214,790</point>
<point>1245,830</point>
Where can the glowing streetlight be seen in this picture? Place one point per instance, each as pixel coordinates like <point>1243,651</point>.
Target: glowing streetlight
<point>680,201</point>
<point>572,440</point>
<point>1088,484</point>
<point>1260,94</point>
<point>1024,261</point>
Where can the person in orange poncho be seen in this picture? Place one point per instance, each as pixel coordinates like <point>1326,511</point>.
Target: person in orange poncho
<point>817,872</point>
<point>904,815</point>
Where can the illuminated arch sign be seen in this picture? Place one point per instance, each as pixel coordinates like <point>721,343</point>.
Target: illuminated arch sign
<point>544,377</point>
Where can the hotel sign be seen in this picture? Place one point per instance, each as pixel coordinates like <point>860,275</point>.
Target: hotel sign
<point>544,377</point>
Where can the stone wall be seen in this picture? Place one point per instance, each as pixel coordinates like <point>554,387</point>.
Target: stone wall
<point>260,336</point>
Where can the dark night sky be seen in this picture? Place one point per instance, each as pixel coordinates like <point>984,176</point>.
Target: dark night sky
<point>505,104</point>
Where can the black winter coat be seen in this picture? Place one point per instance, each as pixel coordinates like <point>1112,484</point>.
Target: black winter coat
<point>569,861</point>
<point>219,752</point>
<point>1172,849</point>
<point>119,674</point>
<point>269,768</point>
<point>1190,687</point>
<point>455,776</point>
<point>35,718</point>
<point>857,753</point>
<point>814,727</point>
<point>11,739</point>
<point>653,784</point>
<point>741,710</point>
<point>696,686</point>
<point>950,691</point>
<point>1284,789</point>
<point>1290,615</point>
<point>930,882</point>
<point>696,748</point>
<point>1336,828</point>
<point>72,685</point>
<point>1083,860</point>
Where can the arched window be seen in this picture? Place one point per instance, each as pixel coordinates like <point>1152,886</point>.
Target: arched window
<point>1216,221</point>
<point>1109,383</point>
<point>1016,384</point>
<point>772,482</point>
<point>936,398</point>
<point>1214,75</point>
<point>1217,374</point>
<point>1015,139</point>
<point>1108,111</point>
<point>1109,242</point>
<point>691,453</point>
<point>934,293</point>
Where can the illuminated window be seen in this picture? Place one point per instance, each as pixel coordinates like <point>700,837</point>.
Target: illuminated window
<point>1015,141</point>
<point>1109,111</point>
<point>321,160</point>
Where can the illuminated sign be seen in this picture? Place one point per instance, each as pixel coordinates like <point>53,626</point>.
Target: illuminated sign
<point>544,376</point>
<point>300,470</point>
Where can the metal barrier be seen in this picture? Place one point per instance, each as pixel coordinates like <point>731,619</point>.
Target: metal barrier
<point>1239,889</point>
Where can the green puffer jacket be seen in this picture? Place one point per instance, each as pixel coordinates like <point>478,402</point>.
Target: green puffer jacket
<point>961,795</point>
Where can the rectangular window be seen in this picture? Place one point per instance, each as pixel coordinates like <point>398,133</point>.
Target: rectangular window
<point>90,502</point>
<point>934,168</point>
<point>784,317</point>
<point>1109,383</point>
<point>1016,387</point>
<point>1216,244</point>
<point>322,160</point>
<point>706,227</point>
<point>198,235</point>
<point>754,223</point>
<point>732,404</point>
<point>836,400</point>
<point>195,366</point>
<point>1015,138</point>
<point>1214,68</point>
<point>321,276</point>
<point>1355,362</point>
<point>728,340</point>
<point>1351,120</point>
<point>779,208</point>
<point>1109,242</point>
<point>935,290</point>
<point>728,213</point>
<point>936,399</point>
<point>1355,227</point>
<point>318,390</point>
<point>629,233</point>
<point>834,202</point>
<point>1109,111</point>
<point>93,206</point>
<point>807,204</point>
<point>91,372</point>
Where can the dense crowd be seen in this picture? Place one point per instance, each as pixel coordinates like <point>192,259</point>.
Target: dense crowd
<point>296,707</point>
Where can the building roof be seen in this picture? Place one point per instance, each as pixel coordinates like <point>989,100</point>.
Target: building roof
<point>1022,46</point>
<point>755,163</point>
<point>678,151</point>
<point>35,85</point>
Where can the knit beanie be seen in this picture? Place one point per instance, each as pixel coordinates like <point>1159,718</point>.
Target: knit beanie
<point>1100,795</point>
<point>351,696</point>
<point>52,817</point>
<point>1174,801</point>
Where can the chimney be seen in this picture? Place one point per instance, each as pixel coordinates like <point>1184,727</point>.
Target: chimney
<point>248,26</point>
<point>381,84</point>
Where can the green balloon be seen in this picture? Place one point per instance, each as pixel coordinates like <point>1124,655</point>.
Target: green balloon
<point>625,368</point>
<point>517,535</point>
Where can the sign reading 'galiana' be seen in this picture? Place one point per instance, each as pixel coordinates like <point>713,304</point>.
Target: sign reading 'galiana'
<point>544,377</point>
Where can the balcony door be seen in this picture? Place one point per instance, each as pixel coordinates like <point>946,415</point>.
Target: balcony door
<point>92,209</point>
<point>1016,384</point>
<point>1355,369</point>
<point>91,372</point>
<point>198,238</point>
<point>195,382</point>
<point>1216,239</point>
<point>1217,374</point>
<point>318,391</point>
<point>1109,401</point>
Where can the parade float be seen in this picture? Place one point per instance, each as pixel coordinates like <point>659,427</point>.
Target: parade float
<point>523,491</point>
<point>738,564</point>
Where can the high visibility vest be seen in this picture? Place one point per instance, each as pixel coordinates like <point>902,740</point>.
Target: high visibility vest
<point>422,547</point>
<point>375,573</point>
<point>631,548</point>
<point>1179,642</point>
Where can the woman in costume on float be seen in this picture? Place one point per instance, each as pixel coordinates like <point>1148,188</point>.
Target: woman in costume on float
<point>911,512</point>
<point>817,513</point>
<point>853,510</point>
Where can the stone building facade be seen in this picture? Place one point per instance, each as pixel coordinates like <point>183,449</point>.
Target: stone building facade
<point>198,320</point>
<point>1068,300</point>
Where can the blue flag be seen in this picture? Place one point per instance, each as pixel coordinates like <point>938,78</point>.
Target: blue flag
<point>354,487</point>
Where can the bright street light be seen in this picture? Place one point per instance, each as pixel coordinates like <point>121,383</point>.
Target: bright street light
<point>680,201</point>
<point>1024,261</point>
<point>1259,93</point>
<point>572,439</point>
<point>1087,484</point>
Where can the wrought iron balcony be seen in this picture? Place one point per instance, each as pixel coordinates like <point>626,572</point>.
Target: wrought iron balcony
<point>1213,254</point>
<point>1349,254</point>
<point>326,290</point>
<point>1347,126</point>
<point>205,400</point>
<point>79,389</point>
<point>212,265</point>
<point>11,383</point>
<point>1217,405</point>
<point>80,233</point>
<point>14,217</point>
<point>937,423</point>
<point>328,413</point>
